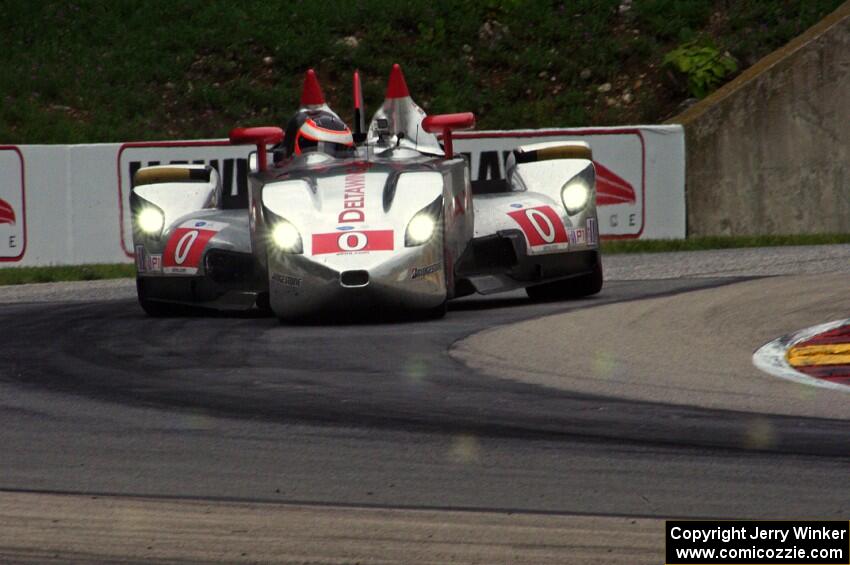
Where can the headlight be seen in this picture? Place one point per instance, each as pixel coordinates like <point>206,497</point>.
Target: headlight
<point>150,220</point>
<point>423,225</point>
<point>286,237</point>
<point>420,229</point>
<point>575,195</point>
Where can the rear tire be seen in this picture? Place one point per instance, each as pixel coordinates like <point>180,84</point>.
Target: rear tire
<point>566,289</point>
<point>437,312</point>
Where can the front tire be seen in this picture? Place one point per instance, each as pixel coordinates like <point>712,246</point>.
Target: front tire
<point>156,309</point>
<point>577,287</point>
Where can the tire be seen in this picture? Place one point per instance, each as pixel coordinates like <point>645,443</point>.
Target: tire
<point>437,312</point>
<point>264,305</point>
<point>578,287</point>
<point>157,309</point>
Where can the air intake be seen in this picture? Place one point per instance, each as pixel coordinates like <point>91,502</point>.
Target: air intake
<point>354,278</point>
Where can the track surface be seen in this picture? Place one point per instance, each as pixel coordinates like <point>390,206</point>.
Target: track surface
<point>96,398</point>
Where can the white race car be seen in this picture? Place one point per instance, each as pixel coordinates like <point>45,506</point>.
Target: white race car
<point>375,218</point>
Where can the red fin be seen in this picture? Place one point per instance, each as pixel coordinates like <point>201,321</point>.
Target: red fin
<point>397,87</point>
<point>358,93</point>
<point>311,94</point>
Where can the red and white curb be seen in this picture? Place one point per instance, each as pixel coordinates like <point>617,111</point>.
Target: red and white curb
<point>772,357</point>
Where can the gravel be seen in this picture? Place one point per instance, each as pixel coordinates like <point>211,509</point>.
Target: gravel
<point>755,262</point>
<point>746,262</point>
<point>75,291</point>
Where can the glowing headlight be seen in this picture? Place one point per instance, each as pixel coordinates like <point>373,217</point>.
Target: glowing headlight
<point>286,237</point>
<point>575,195</point>
<point>150,220</point>
<point>420,229</point>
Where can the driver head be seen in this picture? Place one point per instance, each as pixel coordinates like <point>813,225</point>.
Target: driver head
<point>321,131</point>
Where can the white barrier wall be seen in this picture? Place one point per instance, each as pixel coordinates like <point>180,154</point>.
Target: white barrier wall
<point>68,204</point>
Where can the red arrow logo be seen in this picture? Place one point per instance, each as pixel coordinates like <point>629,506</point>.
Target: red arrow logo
<point>611,188</point>
<point>7,214</point>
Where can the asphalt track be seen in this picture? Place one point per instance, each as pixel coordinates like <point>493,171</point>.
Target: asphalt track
<point>98,400</point>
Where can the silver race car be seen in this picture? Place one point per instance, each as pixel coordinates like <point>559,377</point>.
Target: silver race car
<point>368,220</point>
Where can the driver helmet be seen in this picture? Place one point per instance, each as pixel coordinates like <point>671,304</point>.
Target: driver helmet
<point>320,131</point>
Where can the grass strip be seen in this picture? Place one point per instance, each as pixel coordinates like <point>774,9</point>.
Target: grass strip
<point>613,247</point>
<point>26,275</point>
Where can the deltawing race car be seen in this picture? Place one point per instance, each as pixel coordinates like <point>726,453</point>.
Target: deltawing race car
<point>381,217</point>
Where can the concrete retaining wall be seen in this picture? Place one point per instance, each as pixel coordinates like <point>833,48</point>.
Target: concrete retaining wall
<point>769,153</point>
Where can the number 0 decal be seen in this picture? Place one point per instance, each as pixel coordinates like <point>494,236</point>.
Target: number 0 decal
<point>184,250</point>
<point>543,228</point>
<point>184,245</point>
<point>352,241</point>
<point>542,224</point>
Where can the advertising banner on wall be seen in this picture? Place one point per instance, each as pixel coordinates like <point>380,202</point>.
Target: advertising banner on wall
<point>74,206</point>
<point>13,213</point>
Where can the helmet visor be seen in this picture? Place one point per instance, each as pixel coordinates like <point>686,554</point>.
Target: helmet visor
<point>312,137</point>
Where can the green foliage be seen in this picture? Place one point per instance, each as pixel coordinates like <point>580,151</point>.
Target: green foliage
<point>674,19</point>
<point>704,65</point>
<point>100,70</point>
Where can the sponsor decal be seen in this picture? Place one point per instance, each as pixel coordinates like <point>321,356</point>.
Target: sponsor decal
<point>578,236</point>
<point>13,233</point>
<point>592,231</point>
<point>543,228</point>
<point>147,263</point>
<point>141,267</point>
<point>354,196</point>
<point>207,225</point>
<point>286,280</point>
<point>419,272</point>
<point>345,228</point>
<point>186,246</point>
<point>517,205</point>
<point>353,242</point>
